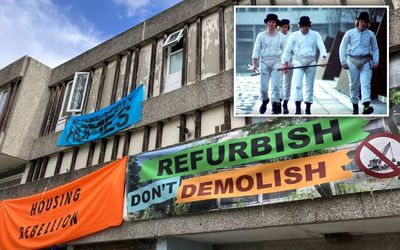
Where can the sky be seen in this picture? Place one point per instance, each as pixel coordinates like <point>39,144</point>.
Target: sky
<point>55,31</point>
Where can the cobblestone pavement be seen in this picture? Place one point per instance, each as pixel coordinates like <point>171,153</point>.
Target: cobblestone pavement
<point>328,101</point>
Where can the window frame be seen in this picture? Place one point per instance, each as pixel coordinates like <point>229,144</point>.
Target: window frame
<point>62,119</point>
<point>2,93</point>
<point>168,42</point>
<point>74,85</point>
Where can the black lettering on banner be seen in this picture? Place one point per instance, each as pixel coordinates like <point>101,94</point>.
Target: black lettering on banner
<point>237,148</point>
<point>156,192</point>
<point>146,196</point>
<point>321,170</point>
<point>195,156</point>
<point>239,183</point>
<point>293,135</point>
<point>260,146</point>
<point>188,191</point>
<point>135,200</point>
<point>293,174</point>
<point>334,130</point>
<point>279,142</point>
<point>170,186</point>
<point>221,154</point>
<point>123,115</point>
<point>220,188</point>
<point>180,160</point>
<point>32,231</point>
<point>164,165</point>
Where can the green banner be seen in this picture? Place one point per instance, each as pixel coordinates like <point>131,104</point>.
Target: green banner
<point>301,138</point>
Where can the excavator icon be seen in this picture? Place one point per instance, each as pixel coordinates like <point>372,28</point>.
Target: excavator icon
<point>377,164</point>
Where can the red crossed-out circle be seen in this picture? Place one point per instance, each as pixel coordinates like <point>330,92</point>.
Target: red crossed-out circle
<point>366,144</point>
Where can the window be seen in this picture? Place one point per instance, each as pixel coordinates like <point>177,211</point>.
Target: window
<point>173,38</point>
<point>63,112</point>
<point>79,86</point>
<point>174,59</point>
<point>3,98</point>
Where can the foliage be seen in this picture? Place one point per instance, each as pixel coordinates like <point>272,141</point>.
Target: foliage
<point>300,195</point>
<point>348,188</point>
<point>394,96</point>
<point>181,208</point>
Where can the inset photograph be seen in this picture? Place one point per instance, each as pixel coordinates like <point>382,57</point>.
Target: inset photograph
<point>311,61</point>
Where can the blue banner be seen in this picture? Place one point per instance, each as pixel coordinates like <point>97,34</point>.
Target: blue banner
<point>153,193</point>
<point>122,114</point>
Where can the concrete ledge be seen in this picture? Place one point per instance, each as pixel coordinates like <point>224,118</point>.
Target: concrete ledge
<point>381,205</point>
<point>394,34</point>
<point>12,71</point>
<point>155,26</point>
<point>199,95</point>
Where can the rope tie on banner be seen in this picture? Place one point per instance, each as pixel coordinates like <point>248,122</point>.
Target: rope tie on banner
<point>44,191</point>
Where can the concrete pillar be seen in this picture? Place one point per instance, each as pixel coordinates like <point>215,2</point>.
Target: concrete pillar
<point>181,244</point>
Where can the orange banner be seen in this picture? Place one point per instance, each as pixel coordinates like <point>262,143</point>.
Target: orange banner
<point>84,206</point>
<point>266,178</point>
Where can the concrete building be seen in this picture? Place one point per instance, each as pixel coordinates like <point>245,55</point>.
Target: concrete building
<point>187,84</point>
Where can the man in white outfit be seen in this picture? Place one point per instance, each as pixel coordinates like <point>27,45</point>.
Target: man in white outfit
<point>284,27</point>
<point>359,44</point>
<point>303,44</point>
<point>267,53</point>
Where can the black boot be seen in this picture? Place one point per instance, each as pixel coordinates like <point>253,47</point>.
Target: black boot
<point>263,106</point>
<point>298,108</point>
<point>275,108</point>
<point>367,109</point>
<point>279,107</point>
<point>308,108</point>
<point>355,109</point>
<point>285,107</point>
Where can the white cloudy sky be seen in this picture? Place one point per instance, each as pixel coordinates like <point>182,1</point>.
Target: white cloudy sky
<point>54,31</point>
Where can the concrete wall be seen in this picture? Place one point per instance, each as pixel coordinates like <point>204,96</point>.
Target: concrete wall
<point>157,70</point>
<point>190,125</point>
<point>120,146</point>
<point>191,69</point>
<point>27,111</point>
<point>228,17</point>
<point>365,2</point>
<point>108,85</point>
<point>134,54</point>
<point>12,71</point>
<point>365,242</point>
<point>51,166</point>
<point>107,155</point>
<point>96,153</point>
<point>210,46</point>
<point>144,67</point>
<point>81,158</point>
<point>236,122</point>
<point>170,135</point>
<point>152,137</point>
<point>210,118</point>
<point>121,78</point>
<point>166,21</point>
<point>94,89</point>
<point>136,142</point>
<point>394,70</point>
<point>66,162</point>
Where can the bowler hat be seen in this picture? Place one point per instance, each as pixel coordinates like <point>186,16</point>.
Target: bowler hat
<point>284,21</point>
<point>271,17</point>
<point>304,20</point>
<point>363,16</point>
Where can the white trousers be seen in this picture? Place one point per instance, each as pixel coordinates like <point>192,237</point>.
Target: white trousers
<point>359,76</point>
<point>268,71</point>
<point>286,80</point>
<point>298,75</point>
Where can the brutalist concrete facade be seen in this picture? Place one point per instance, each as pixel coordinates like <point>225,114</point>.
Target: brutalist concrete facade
<point>207,91</point>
